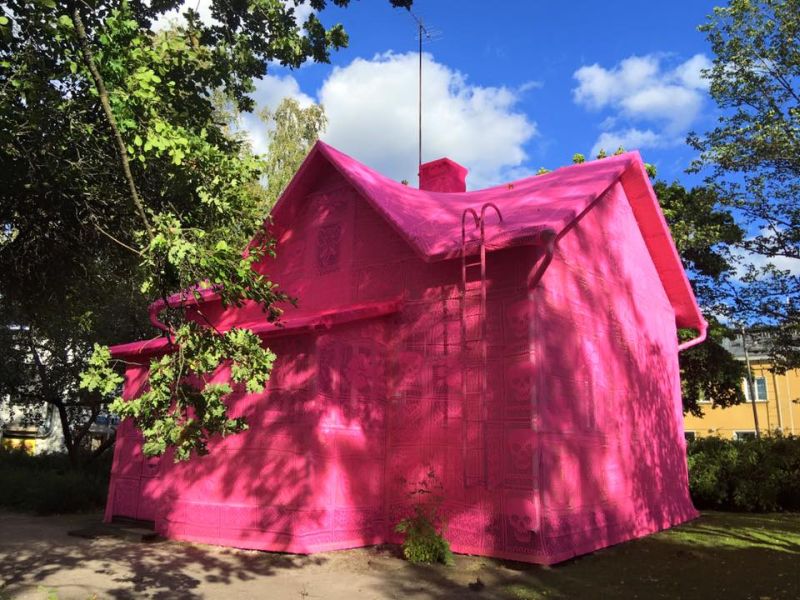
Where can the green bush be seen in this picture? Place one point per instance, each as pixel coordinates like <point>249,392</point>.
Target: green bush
<point>745,475</point>
<point>422,542</point>
<point>423,532</point>
<point>47,483</point>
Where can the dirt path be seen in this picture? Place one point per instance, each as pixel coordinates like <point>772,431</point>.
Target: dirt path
<point>37,555</point>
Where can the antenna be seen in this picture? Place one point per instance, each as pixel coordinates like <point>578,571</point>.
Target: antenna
<point>424,35</point>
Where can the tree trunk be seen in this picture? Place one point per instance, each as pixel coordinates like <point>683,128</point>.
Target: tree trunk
<point>108,443</point>
<point>52,397</point>
<point>72,450</point>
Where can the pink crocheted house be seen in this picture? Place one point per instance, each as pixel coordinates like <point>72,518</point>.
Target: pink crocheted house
<point>534,370</point>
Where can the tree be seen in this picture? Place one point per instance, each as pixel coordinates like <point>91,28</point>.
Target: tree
<point>116,167</point>
<point>43,358</point>
<point>704,234</point>
<point>753,155</point>
<point>40,371</point>
<point>294,131</point>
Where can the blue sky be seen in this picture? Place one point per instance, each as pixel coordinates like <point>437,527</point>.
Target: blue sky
<point>510,86</point>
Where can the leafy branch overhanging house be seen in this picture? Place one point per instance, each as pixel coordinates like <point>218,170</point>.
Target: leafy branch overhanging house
<point>534,370</point>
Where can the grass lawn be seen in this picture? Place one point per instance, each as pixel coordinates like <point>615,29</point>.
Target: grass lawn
<point>720,555</point>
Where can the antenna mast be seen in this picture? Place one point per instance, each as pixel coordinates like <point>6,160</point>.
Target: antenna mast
<point>419,161</point>
<point>423,34</point>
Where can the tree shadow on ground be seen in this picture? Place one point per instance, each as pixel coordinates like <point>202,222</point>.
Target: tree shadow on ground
<point>121,568</point>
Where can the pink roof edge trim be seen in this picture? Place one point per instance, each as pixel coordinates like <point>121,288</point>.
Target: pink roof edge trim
<point>314,322</point>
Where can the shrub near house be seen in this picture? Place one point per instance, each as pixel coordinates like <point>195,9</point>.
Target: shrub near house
<point>751,475</point>
<point>49,484</point>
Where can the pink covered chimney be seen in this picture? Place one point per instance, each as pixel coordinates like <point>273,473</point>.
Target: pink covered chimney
<point>442,175</point>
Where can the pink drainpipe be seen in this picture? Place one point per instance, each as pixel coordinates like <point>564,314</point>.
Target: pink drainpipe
<point>694,341</point>
<point>549,239</point>
<point>155,308</point>
<point>176,300</point>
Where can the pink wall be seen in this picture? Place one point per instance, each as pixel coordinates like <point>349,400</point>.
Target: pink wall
<point>609,409</point>
<point>577,445</point>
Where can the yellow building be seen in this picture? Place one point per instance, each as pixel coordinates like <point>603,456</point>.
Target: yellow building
<point>777,403</point>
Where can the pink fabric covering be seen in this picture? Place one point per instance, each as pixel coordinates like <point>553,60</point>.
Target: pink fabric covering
<point>578,443</point>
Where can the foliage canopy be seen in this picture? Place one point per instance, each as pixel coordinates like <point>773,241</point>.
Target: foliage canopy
<point>753,156</point>
<point>123,183</point>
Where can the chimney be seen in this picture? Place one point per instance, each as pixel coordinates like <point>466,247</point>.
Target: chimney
<point>443,175</point>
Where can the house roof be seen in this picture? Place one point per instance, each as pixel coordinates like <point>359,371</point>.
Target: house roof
<point>431,221</point>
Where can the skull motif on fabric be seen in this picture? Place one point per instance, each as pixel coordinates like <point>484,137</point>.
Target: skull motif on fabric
<point>521,456</point>
<point>518,319</point>
<point>328,247</point>
<point>520,384</point>
<point>520,528</point>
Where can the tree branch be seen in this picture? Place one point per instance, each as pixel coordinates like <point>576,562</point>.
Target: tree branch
<point>107,443</point>
<point>88,59</point>
<point>115,240</point>
<point>81,433</point>
<point>52,397</point>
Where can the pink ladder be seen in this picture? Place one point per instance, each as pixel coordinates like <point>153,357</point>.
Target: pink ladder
<point>473,419</point>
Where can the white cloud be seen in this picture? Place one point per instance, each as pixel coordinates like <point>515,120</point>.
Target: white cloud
<point>203,7</point>
<point>672,104</point>
<point>690,73</point>
<point>302,12</point>
<point>175,16</point>
<point>639,90</point>
<point>759,261</point>
<point>598,87</point>
<point>371,106</point>
<point>372,113</point>
<point>530,85</point>
<point>747,259</point>
<point>273,88</point>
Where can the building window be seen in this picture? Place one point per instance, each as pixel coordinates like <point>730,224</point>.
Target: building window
<point>744,435</point>
<point>690,436</point>
<point>760,384</point>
